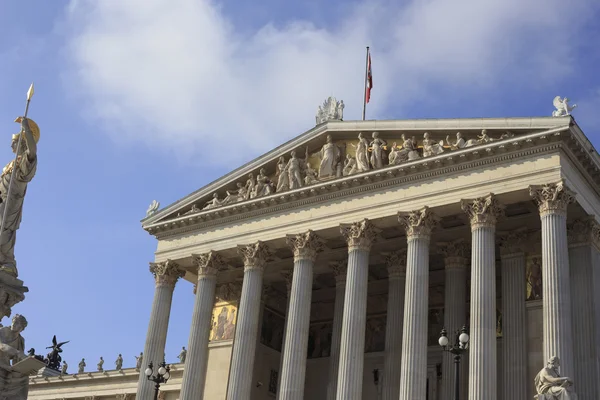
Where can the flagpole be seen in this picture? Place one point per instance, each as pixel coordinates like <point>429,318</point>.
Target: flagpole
<point>366,79</point>
<point>12,175</point>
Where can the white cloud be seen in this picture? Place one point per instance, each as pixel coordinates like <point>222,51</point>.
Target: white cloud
<point>176,74</point>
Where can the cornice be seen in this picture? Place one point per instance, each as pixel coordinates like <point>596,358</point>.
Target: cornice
<point>443,164</point>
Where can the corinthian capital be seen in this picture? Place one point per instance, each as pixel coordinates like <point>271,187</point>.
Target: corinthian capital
<point>166,272</point>
<point>513,242</point>
<point>360,235</point>
<point>552,198</point>
<point>483,211</point>
<point>419,223</point>
<point>396,264</point>
<point>582,231</point>
<point>208,264</point>
<point>305,245</point>
<point>255,255</point>
<point>455,253</point>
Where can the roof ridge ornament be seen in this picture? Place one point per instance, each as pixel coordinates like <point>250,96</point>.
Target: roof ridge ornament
<point>331,110</point>
<point>562,106</point>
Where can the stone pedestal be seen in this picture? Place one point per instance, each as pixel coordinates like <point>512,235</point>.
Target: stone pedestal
<point>339,270</point>
<point>396,266</point>
<point>553,200</point>
<point>483,213</point>
<point>514,315</point>
<point>360,237</point>
<point>455,307</point>
<point>413,369</point>
<point>246,333</point>
<point>293,372</point>
<point>12,292</point>
<point>194,373</point>
<point>581,260</point>
<point>166,275</point>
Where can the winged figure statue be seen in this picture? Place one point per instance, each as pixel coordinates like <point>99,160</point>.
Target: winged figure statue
<point>53,358</point>
<point>562,107</point>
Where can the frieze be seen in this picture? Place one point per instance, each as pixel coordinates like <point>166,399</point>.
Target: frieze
<point>518,147</point>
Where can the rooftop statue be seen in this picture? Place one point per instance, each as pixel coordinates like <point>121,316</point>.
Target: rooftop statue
<point>119,363</point>
<point>562,107</point>
<point>53,359</point>
<point>11,208</point>
<point>331,110</point>
<point>81,366</point>
<point>551,386</point>
<point>152,208</point>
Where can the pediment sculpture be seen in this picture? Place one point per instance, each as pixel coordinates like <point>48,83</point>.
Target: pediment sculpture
<point>369,154</point>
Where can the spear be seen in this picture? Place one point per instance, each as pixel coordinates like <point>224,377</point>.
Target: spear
<point>12,175</point>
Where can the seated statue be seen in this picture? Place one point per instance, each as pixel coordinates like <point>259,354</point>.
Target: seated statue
<point>13,385</point>
<point>551,386</point>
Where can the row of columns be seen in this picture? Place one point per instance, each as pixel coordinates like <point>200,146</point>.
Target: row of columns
<point>405,364</point>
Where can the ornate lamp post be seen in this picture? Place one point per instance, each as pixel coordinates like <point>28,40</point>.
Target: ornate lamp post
<point>162,376</point>
<point>460,346</point>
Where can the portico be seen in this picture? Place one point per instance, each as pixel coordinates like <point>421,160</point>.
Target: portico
<point>449,213</point>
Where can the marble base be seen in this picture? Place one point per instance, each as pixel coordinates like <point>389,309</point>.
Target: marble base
<point>49,372</point>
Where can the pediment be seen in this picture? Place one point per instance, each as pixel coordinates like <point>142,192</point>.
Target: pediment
<point>326,160</point>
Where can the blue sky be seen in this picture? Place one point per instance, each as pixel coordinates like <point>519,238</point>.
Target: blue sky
<point>152,99</point>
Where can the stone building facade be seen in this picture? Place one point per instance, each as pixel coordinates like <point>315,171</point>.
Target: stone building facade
<point>326,268</point>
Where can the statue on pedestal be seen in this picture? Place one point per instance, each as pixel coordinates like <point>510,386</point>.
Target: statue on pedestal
<point>551,386</point>
<point>81,366</point>
<point>138,362</point>
<point>182,356</point>
<point>100,365</point>
<point>11,207</point>
<point>53,358</point>
<point>13,385</point>
<point>119,363</point>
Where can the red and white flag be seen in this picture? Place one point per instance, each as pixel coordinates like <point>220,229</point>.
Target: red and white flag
<point>369,79</point>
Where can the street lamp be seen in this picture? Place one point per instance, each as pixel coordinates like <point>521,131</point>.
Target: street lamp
<point>162,376</point>
<point>460,346</point>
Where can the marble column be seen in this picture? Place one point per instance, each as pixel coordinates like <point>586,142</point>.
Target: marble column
<point>553,200</point>
<point>514,315</point>
<point>483,213</point>
<point>287,277</point>
<point>305,247</point>
<point>339,271</point>
<point>581,258</point>
<point>413,367</point>
<point>246,334</point>
<point>360,237</point>
<point>194,373</point>
<point>166,275</point>
<point>455,255</point>
<point>396,267</point>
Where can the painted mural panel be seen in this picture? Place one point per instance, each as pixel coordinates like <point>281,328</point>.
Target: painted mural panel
<point>224,318</point>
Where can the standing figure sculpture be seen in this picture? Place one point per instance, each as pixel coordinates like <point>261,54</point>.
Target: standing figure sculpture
<point>119,363</point>
<point>138,362</point>
<point>100,365</point>
<point>81,366</point>
<point>182,355</point>
<point>282,176</point>
<point>377,151</point>
<point>362,154</point>
<point>63,369</point>
<point>11,208</point>
<point>294,169</point>
<point>13,385</point>
<point>551,386</point>
<point>330,157</point>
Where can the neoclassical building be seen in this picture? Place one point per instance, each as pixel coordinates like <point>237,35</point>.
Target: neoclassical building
<point>327,267</point>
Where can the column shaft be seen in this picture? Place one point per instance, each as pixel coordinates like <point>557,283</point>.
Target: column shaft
<point>581,258</point>
<point>166,275</point>
<point>394,323</point>
<point>296,335</point>
<point>556,292</point>
<point>352,348</point>
<point>514,328</point>
<point>413,369</point>
<point>246,333</point>
<point>194,373</point>
<point>455,309</point>
<point>336,334</point>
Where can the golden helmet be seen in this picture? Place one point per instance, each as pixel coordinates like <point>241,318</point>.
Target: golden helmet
<point>35,129</point>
